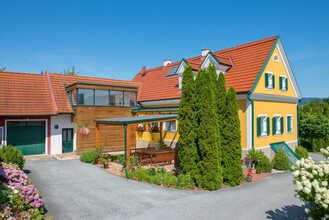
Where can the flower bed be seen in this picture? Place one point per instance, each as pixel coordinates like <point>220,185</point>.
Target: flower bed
<point>162,177</point>
<point>19,199</point>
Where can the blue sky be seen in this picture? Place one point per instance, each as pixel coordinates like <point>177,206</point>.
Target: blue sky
<point>114,39</point>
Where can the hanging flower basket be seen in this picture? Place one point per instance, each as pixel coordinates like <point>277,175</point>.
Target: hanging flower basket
<point>140,129</point>
<point>153,129</point>
<point>84,131</point>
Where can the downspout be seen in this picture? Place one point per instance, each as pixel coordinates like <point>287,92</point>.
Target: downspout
<point>252,120</point>
<point>125,149</point>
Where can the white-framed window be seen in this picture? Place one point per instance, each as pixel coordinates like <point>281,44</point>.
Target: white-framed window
<point>277,122</point>
<point>263,126</point>
<point>1,136</point>
<point>169,126</point>
<point>289,124</point>
<point>276,58</point>
<point>269,80</point>
<point>283,83</point>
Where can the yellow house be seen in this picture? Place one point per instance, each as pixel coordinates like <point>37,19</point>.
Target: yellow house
<point>260,72</point>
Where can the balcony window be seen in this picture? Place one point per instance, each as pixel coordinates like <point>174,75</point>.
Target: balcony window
<point>85,97</point>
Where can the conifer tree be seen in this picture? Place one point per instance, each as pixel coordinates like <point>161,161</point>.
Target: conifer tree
<point>188,154</point>
<point>221,99</point>
<point>231,144</point>
<point>208,135</point>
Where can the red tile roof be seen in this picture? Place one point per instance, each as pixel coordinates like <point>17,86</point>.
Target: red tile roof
<point>31,94</point>
<point>246,61</point>
<point>24,94</point>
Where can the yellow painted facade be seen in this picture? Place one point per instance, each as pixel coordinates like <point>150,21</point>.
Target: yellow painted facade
<point>260,107</point>
<point>243,122</point>
<point>278,69</point>
<point>270,109</point>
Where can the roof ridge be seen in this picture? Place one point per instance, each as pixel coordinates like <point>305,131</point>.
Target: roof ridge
<point>252,43</point>
<point>159,67</point>
<point>217,53</point>
<point>21,73</point>
<point>51,91</point>
<point>90,77</point>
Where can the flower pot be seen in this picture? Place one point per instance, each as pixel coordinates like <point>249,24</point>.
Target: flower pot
<point>106,166</point>
<point>99,162</point>
<point>253,170</point>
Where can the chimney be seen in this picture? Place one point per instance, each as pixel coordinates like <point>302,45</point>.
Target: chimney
<point>166,62</point>
<point>205,51</point>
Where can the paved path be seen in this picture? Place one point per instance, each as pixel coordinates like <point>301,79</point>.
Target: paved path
<point>75,190</point>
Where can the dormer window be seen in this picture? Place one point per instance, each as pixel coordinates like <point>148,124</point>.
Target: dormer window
<point>276,58</point>
<point>269,81</point>
<point>283,83</point>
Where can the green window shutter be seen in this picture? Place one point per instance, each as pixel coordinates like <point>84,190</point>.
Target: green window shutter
<point>273,78</point>
<point>268,126</point>
<point>289,123</point>
<point>259,128</point>
<point>266,80</point>
<point>286,84</point>
<point>274,125</point>
<point>280,82</point>
<point>282,127</point>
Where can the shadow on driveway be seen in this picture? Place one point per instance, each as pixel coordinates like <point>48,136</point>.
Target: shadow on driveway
<point>288,212</point>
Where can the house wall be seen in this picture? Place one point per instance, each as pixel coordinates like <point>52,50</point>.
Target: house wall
<point>242,103</point>
<point>63,121</point>
<point>270,109</point>
<point>111,136</point>
<point>25,118</point>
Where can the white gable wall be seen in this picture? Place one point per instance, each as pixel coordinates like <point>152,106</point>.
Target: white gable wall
<point>63,121</point>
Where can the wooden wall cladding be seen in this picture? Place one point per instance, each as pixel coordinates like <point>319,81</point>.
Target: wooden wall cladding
<point>111,136</point>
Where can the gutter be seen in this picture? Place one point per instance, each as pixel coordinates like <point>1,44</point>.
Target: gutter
<point>252,120</point>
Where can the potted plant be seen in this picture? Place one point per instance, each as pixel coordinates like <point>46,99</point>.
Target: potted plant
<point>253,157</point>
<point>98,153</point>
<point>104,159</point>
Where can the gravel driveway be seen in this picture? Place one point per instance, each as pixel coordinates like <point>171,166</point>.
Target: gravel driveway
<point>75,190</point>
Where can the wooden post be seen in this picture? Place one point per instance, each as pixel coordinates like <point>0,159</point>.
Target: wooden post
<point>97,135</point>
<point>161,129</point>
<point>128,130</point>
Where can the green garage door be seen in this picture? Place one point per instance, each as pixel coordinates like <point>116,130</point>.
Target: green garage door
<point>27,136</point>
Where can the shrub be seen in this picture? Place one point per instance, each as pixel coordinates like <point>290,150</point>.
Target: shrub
<point>264,164</point>
<point>88,157</point>
<point>301,152</point>
<point>261,162</point>
<point>10,154</point>
<point>320,143</point>
<point>24,199</point>
<point>185,181</point>
<point>311,181</point>
<point>281,161</point>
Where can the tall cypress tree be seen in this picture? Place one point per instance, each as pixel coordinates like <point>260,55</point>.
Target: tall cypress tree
<point>221,99</point>
<point>208,135</point>
<point>188,154</point>
<point>231,145</point>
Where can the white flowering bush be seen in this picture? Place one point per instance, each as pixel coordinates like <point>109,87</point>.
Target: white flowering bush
<point>311,180</point>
